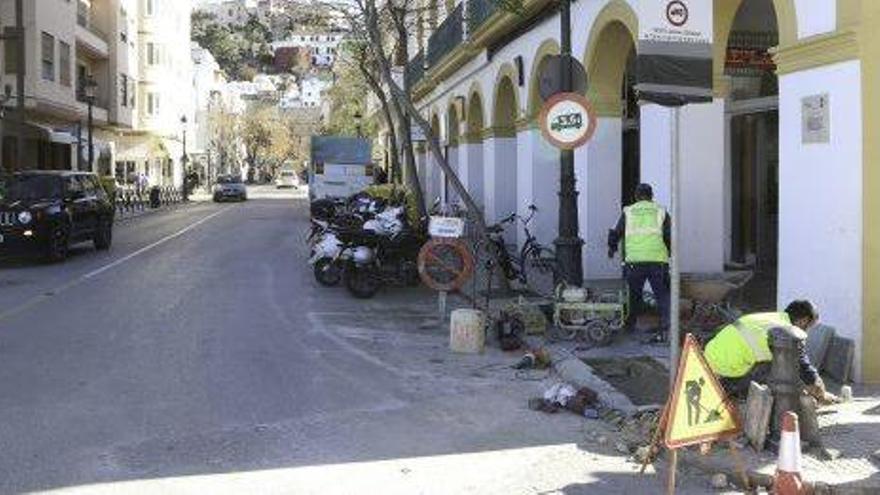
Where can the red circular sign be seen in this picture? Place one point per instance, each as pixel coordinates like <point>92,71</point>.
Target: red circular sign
<point>677,13</point>
<point>445,264</point>
<point>568,120</point>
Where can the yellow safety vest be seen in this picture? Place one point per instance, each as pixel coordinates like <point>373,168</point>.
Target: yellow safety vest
<point>643,238</point>
<point>739,346</point>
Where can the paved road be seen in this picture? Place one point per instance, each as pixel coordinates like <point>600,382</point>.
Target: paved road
<point>198,356</point>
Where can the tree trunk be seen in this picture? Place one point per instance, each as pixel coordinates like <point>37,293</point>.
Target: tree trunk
<point>389,120</point>
<point>398,16</point>
<point>403,100</point>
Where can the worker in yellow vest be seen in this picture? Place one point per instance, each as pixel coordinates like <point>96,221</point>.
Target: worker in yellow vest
<point>644,228</point>
<point>740,352</point>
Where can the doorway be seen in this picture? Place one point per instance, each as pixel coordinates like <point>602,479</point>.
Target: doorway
<point>755,189</point>
<point>752,109</point>
<point>631,169</point>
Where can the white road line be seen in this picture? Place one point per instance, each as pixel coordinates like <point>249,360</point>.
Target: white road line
<point>151,246</point>
<point>82,278</point>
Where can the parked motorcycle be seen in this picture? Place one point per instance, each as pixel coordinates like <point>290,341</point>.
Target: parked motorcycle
<point>340,237</point>
<point>378,260</point>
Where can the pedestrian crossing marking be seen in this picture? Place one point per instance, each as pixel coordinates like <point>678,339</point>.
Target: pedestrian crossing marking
<point>698,409</point>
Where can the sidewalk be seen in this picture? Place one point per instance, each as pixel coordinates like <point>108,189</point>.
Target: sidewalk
<point>851,431</point>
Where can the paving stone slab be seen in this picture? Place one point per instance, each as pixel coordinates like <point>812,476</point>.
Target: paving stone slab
<point>759,406</point>
<point>818,341</point>
<point>839,359</point>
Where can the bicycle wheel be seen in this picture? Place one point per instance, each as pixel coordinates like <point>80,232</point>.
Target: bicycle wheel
<point>542,261</point>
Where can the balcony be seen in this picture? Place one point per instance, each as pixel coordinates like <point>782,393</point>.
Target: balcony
<point>99,109</point>
<point>479,11</point>
<point>447,37</point>
<point>88,36</point>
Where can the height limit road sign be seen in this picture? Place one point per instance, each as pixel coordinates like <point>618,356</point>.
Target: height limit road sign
<point>567,120</point>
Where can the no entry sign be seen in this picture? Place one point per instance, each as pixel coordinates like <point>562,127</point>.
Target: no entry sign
<point>567,120</point>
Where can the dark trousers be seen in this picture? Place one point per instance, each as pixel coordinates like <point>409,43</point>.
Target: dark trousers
<point>739,387</point>
<point>656,274</point>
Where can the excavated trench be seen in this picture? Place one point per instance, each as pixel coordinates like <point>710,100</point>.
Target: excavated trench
<point>642,379</point>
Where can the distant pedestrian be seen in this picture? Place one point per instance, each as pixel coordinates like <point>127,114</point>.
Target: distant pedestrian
<point>644,228</point>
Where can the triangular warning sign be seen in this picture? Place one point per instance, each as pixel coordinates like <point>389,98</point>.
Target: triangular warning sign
<point>698,410</point>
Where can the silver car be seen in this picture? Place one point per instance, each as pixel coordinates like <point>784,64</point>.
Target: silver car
<point>229,187</point>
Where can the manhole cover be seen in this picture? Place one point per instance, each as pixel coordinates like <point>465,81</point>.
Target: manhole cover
<point>642,379</point>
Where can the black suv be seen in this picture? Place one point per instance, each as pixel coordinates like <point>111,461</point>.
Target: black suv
<point>47,211</point>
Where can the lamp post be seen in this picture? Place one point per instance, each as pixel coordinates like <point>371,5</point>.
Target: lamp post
<point>7,95</point>
<point>569,245</point>
<point>357,123</point>
<point>89,86</point>
<point>184,160</point>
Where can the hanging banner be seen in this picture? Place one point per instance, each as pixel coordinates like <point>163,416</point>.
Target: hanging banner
<point>675,51</point>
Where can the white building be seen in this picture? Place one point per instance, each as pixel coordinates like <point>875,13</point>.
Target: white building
<point>779,171</point>
<point>322,46</point>
<point>166,109</point>
<point>208,85</point>
<point>312,91</point>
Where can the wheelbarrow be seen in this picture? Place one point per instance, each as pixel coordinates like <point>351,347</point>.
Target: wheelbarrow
<point>709,295</point>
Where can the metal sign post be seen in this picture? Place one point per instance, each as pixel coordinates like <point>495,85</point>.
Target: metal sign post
<point>674,266</point>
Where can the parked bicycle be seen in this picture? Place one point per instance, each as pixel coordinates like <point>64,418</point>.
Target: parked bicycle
<point>532,255</point>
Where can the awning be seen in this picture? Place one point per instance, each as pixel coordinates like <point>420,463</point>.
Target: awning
<point>52,135</point>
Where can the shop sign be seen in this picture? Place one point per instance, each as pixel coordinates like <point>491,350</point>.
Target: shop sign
<point>675,51</point>
<point>568,120</point>
<point>816,119</point>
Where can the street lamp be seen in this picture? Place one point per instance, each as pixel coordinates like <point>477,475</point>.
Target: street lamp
<point>569,244</point>
<point>89,86</point>
<point>357,123</point>
<point>184,159</point>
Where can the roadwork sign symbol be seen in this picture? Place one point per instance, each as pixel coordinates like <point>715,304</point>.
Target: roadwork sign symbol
<point>698,410</point>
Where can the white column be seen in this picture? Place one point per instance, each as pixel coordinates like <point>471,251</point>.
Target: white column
<point>453,159</point>
<point>821,200</point>
<point>472,171</point>
<point>538,184</point>
<point>422,169</point>
<point>702,178</point>
<point>598,167</point>
<point>500,174</point>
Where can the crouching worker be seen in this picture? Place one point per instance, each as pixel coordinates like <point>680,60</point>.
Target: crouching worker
<point>740,352</point>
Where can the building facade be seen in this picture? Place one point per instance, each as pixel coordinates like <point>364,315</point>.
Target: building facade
<point>66,44</point>
<point>321,47</point>
<point>777,171</point>
<point>165,112</point>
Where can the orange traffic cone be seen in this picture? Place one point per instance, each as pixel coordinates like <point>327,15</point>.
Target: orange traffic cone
<point>788,468</point>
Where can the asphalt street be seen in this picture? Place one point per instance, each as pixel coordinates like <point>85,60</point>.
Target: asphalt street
<point>199,356</point>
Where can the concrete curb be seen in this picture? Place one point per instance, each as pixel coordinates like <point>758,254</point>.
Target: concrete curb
<point>579,374</point>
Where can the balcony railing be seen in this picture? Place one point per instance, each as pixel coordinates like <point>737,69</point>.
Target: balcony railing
<point>84,19</point>
<point>415,69</point>
<point>100,100</point>
<point>479,11</point>
<point>448,35</point>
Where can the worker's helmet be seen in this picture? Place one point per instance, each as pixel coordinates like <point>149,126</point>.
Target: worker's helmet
<point>644,191</point>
